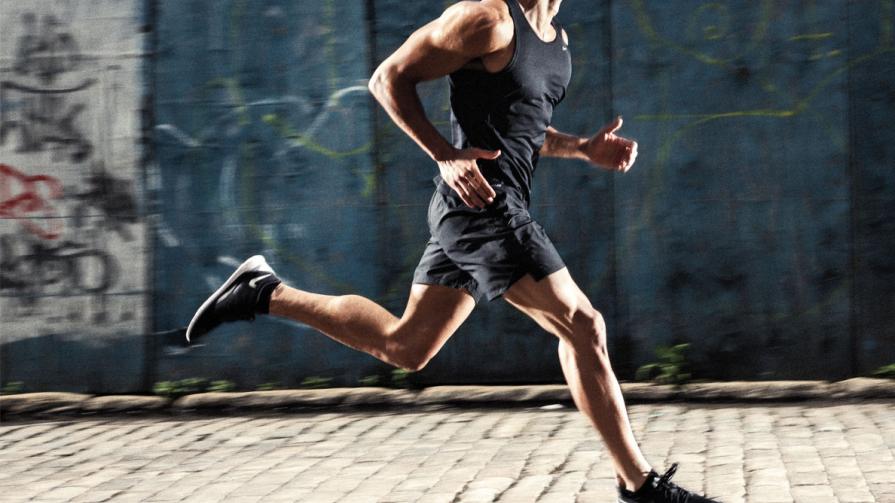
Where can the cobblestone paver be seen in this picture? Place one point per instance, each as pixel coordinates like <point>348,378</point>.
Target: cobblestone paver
<point>812,453</point>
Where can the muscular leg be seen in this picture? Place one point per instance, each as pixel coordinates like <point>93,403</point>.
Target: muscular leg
<point>560,307</point>
<point>432,315</point>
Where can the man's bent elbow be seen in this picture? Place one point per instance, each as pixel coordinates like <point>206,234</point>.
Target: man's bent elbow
<point>381,81</point>
<point>375,84</point>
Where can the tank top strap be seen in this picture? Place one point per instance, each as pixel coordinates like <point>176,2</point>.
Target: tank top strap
<point>524,29</point>
<point>515,9</point>
<point>520,22</point>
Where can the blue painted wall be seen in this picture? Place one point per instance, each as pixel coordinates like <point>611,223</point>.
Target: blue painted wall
<point>263,143</point>
<point>752,225</point>
<point>756,224</point>
<point>746,229</point>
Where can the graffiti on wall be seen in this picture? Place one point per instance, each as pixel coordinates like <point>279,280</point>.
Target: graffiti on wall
<point>45,116</point>
<point>70,231</point>
<point>268,140</point>
<point>711,41</point>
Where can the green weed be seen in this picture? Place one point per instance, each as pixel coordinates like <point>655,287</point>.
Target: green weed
<point>174,389</point>
<point>671,367</point>
<point>371,380</point>
<point>885,372</point>
<point>400,378</point>
<point>316,382</point>
<point>13,388</point>
<point>269,386</point>
<point>221,386</point>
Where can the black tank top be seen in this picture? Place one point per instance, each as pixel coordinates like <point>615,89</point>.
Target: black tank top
<point>511,109</point>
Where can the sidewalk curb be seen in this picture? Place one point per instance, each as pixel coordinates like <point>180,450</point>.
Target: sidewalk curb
<point>51,403</point>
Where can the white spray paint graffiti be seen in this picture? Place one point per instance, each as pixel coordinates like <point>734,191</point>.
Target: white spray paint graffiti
<point>232,126</point>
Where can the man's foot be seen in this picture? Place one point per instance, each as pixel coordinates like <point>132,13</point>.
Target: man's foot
<point>245,293</point>
<point>658,489</point>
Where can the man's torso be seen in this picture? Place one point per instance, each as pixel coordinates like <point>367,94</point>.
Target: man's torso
<point>510,108</point>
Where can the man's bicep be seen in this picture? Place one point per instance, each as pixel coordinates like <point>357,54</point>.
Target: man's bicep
<point>464,32</point>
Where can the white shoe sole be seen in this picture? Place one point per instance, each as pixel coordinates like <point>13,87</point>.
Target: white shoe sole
<point>253,263</point>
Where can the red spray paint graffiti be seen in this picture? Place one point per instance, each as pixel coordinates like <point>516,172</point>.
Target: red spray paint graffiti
<point>27,199</point>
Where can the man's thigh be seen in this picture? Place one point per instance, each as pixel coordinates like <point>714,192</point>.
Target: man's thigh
<point>433,314</point>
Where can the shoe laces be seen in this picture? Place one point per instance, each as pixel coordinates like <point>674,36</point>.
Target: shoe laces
<point>671,492</point>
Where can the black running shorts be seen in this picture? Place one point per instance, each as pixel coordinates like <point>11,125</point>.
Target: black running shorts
<point>484,251</point>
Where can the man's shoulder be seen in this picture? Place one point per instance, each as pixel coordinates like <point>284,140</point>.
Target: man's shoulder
<point>493,11</point>
<point>485,17</point>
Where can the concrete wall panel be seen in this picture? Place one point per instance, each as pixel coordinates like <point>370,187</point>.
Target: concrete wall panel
<point>72,236</point>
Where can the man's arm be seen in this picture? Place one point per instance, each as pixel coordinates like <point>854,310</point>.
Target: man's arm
<point>466,31</point>
<point>604,149</point>
<point>562,145</point>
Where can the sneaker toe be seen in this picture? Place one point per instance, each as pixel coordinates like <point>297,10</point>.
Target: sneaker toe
<point>205,323</point>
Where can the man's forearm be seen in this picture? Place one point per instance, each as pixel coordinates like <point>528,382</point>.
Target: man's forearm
<point>563,145</point>
<point>402,103</point>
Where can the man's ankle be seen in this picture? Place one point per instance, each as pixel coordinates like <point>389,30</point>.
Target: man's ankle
<point>265,294</point>
<point>633,483</point>
<point>279,304</point>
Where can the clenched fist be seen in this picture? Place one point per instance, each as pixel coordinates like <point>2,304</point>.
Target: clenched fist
<point>610,151</point>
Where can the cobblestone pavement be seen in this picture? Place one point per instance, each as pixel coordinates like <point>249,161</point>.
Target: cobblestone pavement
<point>769,453</point>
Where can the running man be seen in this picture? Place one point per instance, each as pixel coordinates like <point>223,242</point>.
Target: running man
<point>508,64</point>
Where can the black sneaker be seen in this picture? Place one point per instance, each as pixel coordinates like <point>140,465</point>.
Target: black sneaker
<point>658,489</point>
<point>237,299</point>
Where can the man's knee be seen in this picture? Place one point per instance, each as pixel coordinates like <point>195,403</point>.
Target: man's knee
<point>411,359</point>
<point>412,364</point>
<point>411,351</point>
<point>588,330</point>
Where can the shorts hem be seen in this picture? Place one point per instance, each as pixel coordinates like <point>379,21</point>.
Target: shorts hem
<point>537,275</point>
<point>429,280</point>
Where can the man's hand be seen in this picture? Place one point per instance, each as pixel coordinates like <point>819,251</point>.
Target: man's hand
<point>609,151</point>
<point>462,174</point>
